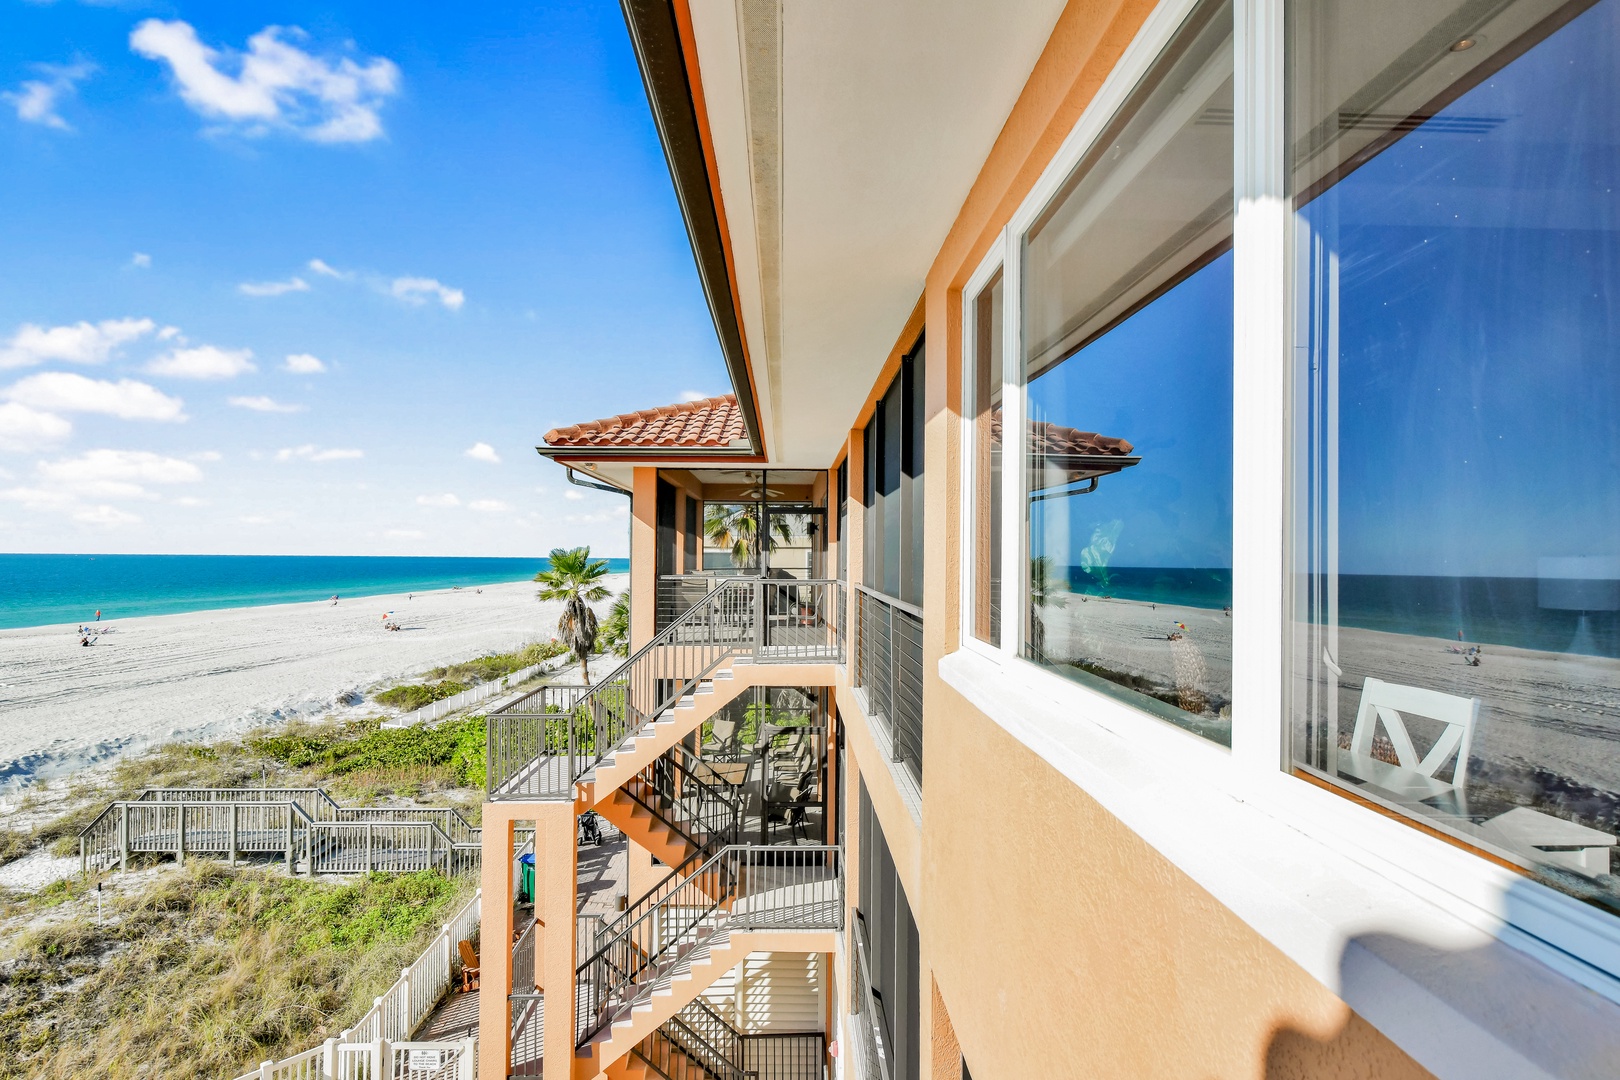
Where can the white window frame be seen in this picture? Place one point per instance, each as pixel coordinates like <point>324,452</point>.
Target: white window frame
<point>1577,941</point>
<point>971,291</point>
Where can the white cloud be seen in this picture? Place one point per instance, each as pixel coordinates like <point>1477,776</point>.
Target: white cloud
<point>303,364</point>
<point>418,290</point>
<point>64,391</point>
<point>207,455</point>
<point>140,259</point>
<point>321,266</point>
<point>482,451</point>
<point>116,474</point>
<point>277,86</point>
<point>273,288</point>
<point>24,429</point>
<point>574,496</point>
<point>311,452</point>
<point>693,395</point>
<point>264,404</point>
<point>79,487</point>
<point>447,499</point>
<point>488,506</point>
<point>190,501</point>
<point>203,362</point>
<point>36,100</point>
<point>81,343</point>
<point>171,333</point>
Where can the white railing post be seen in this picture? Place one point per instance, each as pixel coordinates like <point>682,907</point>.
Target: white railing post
<point>468,1066</point>
<point>329,1062</point>
<point>267,1070</point>
<point>381,1067</point>
<point>180,837</point>
<point>123,837</point>
<point>232,844</point>
<point>408,1020</point>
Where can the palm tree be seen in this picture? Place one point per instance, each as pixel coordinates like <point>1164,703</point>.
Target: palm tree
<point>736,525</point>
<point>575,578</point>
<point>614,633</point>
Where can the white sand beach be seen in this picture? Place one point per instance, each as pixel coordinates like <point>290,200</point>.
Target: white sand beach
<point>64,707</point>
<point>1134,637</point>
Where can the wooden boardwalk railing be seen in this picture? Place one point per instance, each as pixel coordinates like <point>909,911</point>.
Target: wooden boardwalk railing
<point>304,826</point>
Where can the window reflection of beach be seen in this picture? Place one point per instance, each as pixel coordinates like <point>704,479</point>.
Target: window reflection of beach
<point>1129,643</point>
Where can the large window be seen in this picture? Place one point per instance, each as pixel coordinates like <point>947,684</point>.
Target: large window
<point>1457,647</point>
<point>1127,364</point>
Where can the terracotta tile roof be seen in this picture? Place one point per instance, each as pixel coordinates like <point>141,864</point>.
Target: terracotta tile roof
<point>1053,440</point>
<point>710,422</point>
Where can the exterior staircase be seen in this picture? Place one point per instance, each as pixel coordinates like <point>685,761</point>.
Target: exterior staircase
<point>675,808</point>
<point>544,748</point>
<point>695,1044</point>
<point>638,751</point>
<point>656,958</point>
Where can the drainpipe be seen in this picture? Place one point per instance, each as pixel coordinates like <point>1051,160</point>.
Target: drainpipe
<point>630,526</point>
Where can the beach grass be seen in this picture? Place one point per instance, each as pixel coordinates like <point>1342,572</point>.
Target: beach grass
<point>452,679</point>
<point>208,970</point>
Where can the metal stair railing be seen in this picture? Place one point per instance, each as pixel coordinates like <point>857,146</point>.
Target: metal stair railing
<point>679,791</point>
<point>540,746</point>
<point>741,887</point>
<point>695,1044</point>
<point>536,750</point>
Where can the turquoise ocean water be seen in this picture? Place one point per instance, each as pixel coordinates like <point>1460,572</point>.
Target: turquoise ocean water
<point>40,590</point>
<point>1492,610</point>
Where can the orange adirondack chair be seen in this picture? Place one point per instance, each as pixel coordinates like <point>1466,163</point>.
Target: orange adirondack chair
<point>469,966</point>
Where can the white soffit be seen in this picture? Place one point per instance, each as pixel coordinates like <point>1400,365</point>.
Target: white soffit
<point>847,134</point>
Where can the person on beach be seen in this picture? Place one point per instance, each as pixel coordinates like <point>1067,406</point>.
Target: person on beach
<point>98,614</point>
<point>334,599</point>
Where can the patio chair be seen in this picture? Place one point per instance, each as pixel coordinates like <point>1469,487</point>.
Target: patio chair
<point>723,739</point>
<point>469,965</point>
<point>1412,777</point>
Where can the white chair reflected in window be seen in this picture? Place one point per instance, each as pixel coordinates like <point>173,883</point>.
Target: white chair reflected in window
<point>1412,777</point>
<point>1530,834</point>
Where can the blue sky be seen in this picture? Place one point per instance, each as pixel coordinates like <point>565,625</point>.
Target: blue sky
<point>1479,369</point>
<point>1162,380</point>
<point>315,278</point>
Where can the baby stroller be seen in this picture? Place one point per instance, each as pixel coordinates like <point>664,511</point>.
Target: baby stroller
<point>590,830</point>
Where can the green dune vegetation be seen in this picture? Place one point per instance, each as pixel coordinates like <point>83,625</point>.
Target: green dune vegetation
<point>203,971</point>
<point>452,679</point>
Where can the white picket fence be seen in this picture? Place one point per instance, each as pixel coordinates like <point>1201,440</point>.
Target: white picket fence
<point>392,1018</point>
<point>445,706</point>
<point>379,1059</point>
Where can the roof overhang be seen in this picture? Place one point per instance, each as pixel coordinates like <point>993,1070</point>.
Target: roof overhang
<point>656,36</point>
<point>821,153</point>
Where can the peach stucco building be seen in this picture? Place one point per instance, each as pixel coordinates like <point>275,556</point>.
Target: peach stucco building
<point>1132,617</point>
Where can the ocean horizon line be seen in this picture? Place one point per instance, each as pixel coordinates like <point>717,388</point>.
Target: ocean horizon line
<point>38,590</point>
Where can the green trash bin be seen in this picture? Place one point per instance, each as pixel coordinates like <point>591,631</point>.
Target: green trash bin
<point>526,879</point>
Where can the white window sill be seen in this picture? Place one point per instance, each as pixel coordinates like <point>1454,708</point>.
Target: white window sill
<point>1450,980</point>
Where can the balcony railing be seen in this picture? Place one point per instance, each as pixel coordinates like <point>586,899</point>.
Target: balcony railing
<point>871,1027</point>
<point>888,668</point>
<point>544,742</point>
